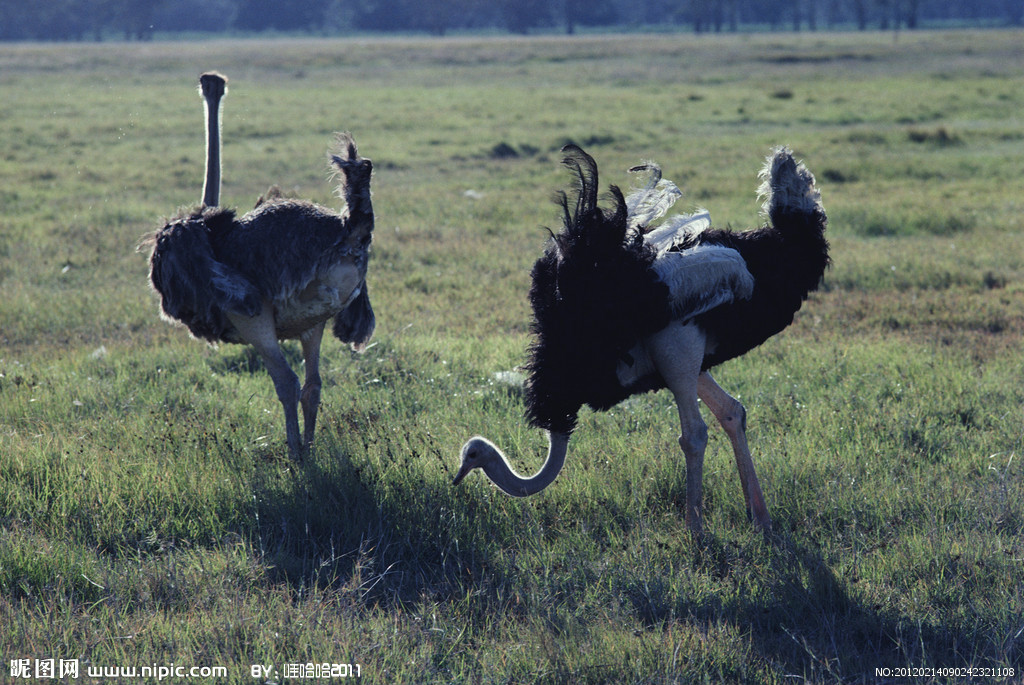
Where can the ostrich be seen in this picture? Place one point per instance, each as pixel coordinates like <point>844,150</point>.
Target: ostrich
<point>621,308</point>
<point>278,272</point>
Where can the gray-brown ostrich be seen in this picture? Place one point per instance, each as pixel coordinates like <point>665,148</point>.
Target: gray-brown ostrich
<point>278,272</point>
<point>620,308</point>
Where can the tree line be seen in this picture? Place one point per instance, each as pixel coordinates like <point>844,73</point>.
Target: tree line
<point>75,20</point>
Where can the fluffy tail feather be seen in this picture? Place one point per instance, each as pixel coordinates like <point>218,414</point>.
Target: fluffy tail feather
<point>196,289</point>
<point>355,323</point>
<point>788,187</point>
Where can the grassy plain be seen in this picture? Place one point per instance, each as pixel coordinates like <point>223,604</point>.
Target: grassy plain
<point>148,514</point>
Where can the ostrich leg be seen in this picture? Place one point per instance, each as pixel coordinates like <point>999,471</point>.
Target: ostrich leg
<point>259,331</point>
<point>677,351</point>
<point>310,398</point>
<point>733,418</point>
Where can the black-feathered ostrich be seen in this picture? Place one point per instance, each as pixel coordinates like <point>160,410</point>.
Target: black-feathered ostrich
<point>279,272</point>
<point>621,308</point>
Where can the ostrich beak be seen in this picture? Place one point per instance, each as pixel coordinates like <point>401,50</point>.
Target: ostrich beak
<point>468,463</point>
<point>462,474</point>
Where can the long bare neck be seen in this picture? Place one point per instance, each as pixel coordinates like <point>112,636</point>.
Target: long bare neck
<point>510,482</point>
<point>213,87</point>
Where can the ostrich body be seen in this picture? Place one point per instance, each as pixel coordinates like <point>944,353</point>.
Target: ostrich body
<point>279,272</point>
<point>622,308</point>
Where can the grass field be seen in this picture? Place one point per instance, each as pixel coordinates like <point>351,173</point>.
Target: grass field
<point>149,516</point>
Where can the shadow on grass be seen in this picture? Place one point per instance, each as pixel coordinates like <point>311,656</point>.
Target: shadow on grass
<point>807,623</point>
<point>339,519</point>
<point>385,531</point>
<point>244,359</point>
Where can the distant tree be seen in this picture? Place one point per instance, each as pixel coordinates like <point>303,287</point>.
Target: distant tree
<point>811,15</point>
<point>701,14</point>
<point>339,16</point>
<point>774,13</point>
<point>52,20</point>
<point>440,16</point>
<point>885,13</point>
<point>860,13</point>
<point>591,13</point>
<point>70,20</point>
<point>574,10</point>
<point>375,15</point>
<point>280,15</point>
<point>522,15</point>
<point>11,20</point>
<point>386,15</point>
<point>66,21</point>
<point>1015,12</point>
<point>732,13</point>
<point>833,12</point>
<point>653,12</point>
<point>134,18</point>
<point>101,16</point>
<point>214,16</point>
<point>18,21</point>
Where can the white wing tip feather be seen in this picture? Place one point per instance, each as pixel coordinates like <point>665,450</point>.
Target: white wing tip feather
<point>651,202</point>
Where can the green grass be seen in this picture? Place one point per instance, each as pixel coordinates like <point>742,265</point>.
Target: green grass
<point>148,514</point>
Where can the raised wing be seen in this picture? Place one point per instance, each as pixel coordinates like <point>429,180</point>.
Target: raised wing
<point>703,277</point>
<point>650,203</point>
<point>699,277</point>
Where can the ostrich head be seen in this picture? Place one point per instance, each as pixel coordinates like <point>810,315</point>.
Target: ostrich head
<point>355,170</point>
<point>481,453</point>
<point>477,453</point>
